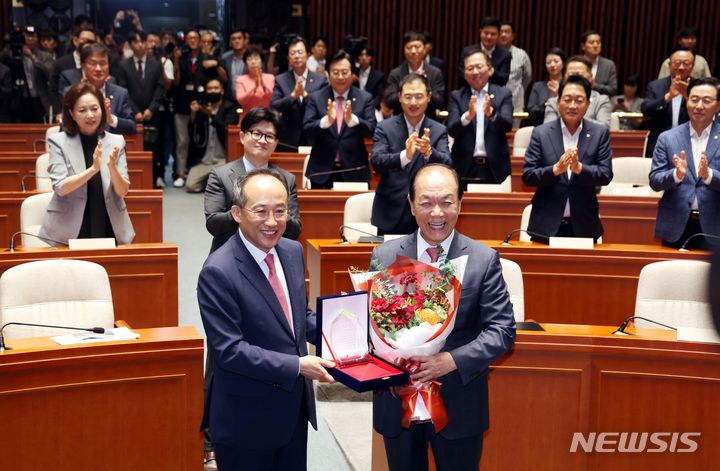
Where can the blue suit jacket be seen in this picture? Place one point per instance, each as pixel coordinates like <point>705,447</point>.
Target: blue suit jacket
<point>484,330</point>
<point>256,392</point>
<point>674,206</point>
<point>350,141</point>
<point>659,112</point>
<point>545,148</point>
<point>293,110</point>
<point>498,152</point>
<point>119,101</point>
<point>391,210</point>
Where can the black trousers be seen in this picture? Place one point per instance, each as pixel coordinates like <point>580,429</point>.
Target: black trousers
<point>408,451</point>
<point>691,228</point>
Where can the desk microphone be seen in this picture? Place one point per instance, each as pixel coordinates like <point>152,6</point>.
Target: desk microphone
<point>289,146</point>
<point>684,248</point>
<point>506,240</point>
<point>375,237</point>
<point>95,330</point>
<point>623,326</point>
<point>44,239</point>
<point>333,172</point>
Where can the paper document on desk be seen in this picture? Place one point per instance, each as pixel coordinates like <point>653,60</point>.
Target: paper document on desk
<point>119,333</point>
<point>695,334</point>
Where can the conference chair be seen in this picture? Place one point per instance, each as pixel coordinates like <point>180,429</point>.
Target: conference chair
<point>305,180</point>
<point>51,130</point>
<point>630,178</point>
<point>521,141</point>
<point>73,293</point>
<point>356,217</point>
<point>514,281</point>
<point>525,221</point>
<point>32,213</point>
<point>504,187</point>
<point>614,122</point>
<point>42,178</point>
<point>674,292</point>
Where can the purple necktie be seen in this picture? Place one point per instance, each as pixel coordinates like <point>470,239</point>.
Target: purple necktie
<point>277,287</point>
<point>433,252</point>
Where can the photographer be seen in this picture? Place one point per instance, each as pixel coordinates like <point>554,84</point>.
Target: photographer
<point>210,115</point>
<point>30,69</point>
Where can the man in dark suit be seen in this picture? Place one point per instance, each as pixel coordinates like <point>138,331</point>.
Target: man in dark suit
<point>603,70</point>
<point>233,62</point>
<point>337,120</point>
<point>251,293</point>
<point>258,132</point>
<point>414,50</point>
<point>484,330</point>
<point>95,62</point>
<point>143,77</point>
<point>480,157</point>
<point>566,159</point>
<point>433,60</point>
<point>499,56</point>
<point>402,145</point>
<point>370,79</point>
<point>5,92</point>
<point>686,166</point>
<point>665,99</point>
<point>290,94</point>
<point>70,61</point>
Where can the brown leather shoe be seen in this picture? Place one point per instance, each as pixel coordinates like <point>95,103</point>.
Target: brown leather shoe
<point>209,462</point>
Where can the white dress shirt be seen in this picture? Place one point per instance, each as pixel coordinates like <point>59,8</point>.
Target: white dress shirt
<point>699,145</point>
<point>569,141</point>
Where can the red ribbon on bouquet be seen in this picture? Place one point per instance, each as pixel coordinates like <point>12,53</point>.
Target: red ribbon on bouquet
<point>430,393</point>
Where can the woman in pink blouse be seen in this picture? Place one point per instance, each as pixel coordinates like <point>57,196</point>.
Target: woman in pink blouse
<point>255,88</point>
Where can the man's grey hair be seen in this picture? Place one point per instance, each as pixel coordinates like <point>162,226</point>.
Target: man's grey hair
<point>239,197</point>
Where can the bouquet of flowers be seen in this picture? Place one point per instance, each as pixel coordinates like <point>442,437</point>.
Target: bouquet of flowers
<point>412,309</point>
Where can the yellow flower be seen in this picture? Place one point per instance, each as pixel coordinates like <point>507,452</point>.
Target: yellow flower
<point>429,316</point>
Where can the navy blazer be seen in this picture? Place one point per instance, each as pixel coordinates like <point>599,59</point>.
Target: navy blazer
<point>659,112</point>
<point>548,202</point>
<point>145,93</point>
<point>391,210</point>
<point>496,147</point>
<point>674,206</point>
<point>293,111</point>
<point>256,391</point>
<point>349,142</point>
<point>484,330</point>
<point>375,84</point>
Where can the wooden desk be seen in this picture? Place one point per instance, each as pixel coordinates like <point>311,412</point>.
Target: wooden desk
<point>622,143</point>
<point>14,165</point>
<point>144,206</point>
<point>116,406</point>
<point>561,285</point>
<point>627,220</point>
<point>583,379</point>
<point>143,278</point>
<point>31,137</point>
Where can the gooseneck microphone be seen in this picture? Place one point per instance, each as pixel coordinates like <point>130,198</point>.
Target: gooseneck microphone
<point>623,326</point>
<point>506,240</point>
<point>683,247</point>
<point>95,330</point>
<point>44,239</point>
<point>333,172</point>
<point>374,237</point>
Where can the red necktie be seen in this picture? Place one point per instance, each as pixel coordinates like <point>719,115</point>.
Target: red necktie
<point>339,112</point>
<point>433,252</point>
<point>277,287</point>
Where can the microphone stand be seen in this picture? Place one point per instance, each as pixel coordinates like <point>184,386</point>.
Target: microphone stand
<point>623,326</point>
<point>683,247</point>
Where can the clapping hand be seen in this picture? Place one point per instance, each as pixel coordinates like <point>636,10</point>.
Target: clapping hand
<point>112,158</point>
<point>488,110</point>
<point>348,112</point>
<point>299,90</point>
<point>703,168</point>
<point>331,111</point>
<point>422,144</point>
<point>565,160</point>
<point>97,157</point>
<point>553,86</point>
<point>681,164</point>
<point>472,108</point>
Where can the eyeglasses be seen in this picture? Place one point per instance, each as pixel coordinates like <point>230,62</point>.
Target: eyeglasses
<point>419,98</point>
<point>683,63</point>
<point>297,53</point>
<point>257,135</point>
<point>340,72</point>
<point>263,213</point>
<point>695,100</point>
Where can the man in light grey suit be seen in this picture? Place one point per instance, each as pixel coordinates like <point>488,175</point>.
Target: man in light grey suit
<point>686,166</point>
<point>259,133</point>
<point>603,69</point>
<point>484,330</point>
<point>599,107</point>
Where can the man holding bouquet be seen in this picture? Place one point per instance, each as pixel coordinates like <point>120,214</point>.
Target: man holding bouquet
<point>484,330</point>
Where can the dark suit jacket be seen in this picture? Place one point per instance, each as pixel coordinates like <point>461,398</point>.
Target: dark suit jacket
<point>659,112</point>
<point>144,94</point>
<point>440,64</point>
<point>498,152</point>
<point>500,59</point>
<point>435,82</point>
<point>293,111</point>
<point>5,93</point>
<point>606,77</point>
<point>391,210</point>
<point>55,91</point>
<point>674,207</point>
<point>375,84</point>
<point>119,102</point>
<point>484,330</point>
<point>349,142</point>
<point>256,393</point>
<point>219,199</point>
<point>548,203</point>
